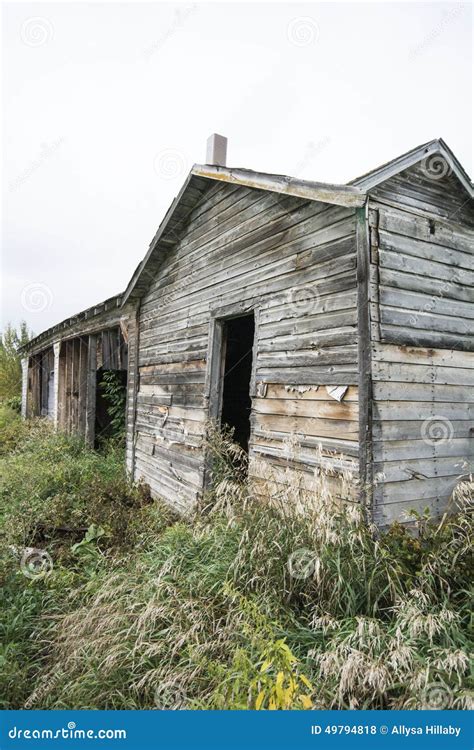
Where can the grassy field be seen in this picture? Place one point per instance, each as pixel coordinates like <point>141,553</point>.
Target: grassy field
<point>239,605</point>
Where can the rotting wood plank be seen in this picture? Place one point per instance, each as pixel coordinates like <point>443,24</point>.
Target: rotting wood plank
<point>408,354</point>
<point>330,409</point>
<point>420,338</point>
<point>421,392</point>
<point>330,446</point>
<point>91,389</point>
<point>405,429</point>
<point>414,373</point>
<point>446,466</point>
<point>316,427</point>
<point>420,410</point>
<point>414,448</point>
<point>338,350</point>
<point>305,393</point>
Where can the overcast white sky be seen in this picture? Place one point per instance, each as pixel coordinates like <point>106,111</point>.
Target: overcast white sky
<point>106,106</point>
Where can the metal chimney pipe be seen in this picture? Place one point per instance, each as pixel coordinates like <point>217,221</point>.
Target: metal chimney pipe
<point>216,150</point>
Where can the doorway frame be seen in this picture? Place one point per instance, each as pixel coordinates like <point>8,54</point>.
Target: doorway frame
<point>214,383</point>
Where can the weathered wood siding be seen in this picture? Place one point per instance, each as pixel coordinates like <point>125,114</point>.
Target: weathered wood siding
<point>425,279</point>
<point>291,261</point>
<point>423,419</point>
<point>422,315</point>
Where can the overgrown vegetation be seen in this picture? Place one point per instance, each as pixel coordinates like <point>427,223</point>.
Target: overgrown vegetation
<point>10,365</point>
<point>114,391</point>
<point>243,604</point>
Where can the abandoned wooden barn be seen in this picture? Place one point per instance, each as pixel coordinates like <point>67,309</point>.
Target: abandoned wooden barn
<point>328,325</point>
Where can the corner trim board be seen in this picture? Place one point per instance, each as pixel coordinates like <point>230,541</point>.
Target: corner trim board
<point>365,362</point>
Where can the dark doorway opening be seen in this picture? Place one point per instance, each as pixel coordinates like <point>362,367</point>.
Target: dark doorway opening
<point>238,336</point>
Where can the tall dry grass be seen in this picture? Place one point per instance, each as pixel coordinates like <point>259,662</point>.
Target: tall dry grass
<point>254,604</point>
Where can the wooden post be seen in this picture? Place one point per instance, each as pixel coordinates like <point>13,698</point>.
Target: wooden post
<point>82,386</point>
<point>66,401</point>
<point>24,386</point>
<point>62,385</point>
<point>91,387</point>
<point>365,362</point>
<point>75,385</point>
<point>34,386</point>
<point>216,349</point>
<point>43,372</point>
<point>57,374</point>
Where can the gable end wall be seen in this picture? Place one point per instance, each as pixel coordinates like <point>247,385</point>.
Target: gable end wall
<point>292,262</point>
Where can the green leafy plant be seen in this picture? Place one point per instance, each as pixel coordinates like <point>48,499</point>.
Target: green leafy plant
<point>115,393</point>
<point>87,550</point>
